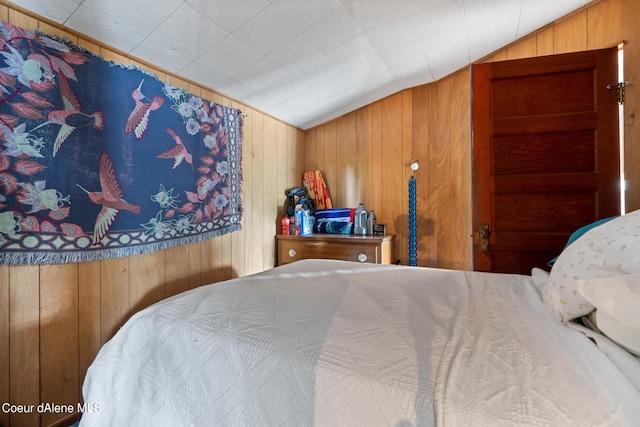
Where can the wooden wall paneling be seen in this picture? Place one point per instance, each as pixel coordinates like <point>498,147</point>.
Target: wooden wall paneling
<point>298,148</point>
<point>89,317</point>
<point>23,21</point>
<point>296,151</point>
<point>420,124</point>
<point>248,185</point>
<point>346,152</point>
<point>59,337</point>
<point>105,294</point>
<point>442,160</point>
<point>273,196</point>
<point>283,169</point>
<point>498,56</point>
<point>524,48</point>
<point>24,339</point>
<point>570,34</point>
<point>4,336</point>
<point>177,270</point>
<point>194,262</point>
<point>147,280</point>
<point>378,167</point>
<point>310,144</point>
<point>364,156</point>
<point>630,29</point>
<point>461,180</point>
<point>114,296</point>
<point>258,186</point>
<point>317,152</point>
<point>544,41</point>
<point>604,27</point>
<point>329,160</point>
<point>407,154</point>
<point>431,170</point>
<point>391,207</point>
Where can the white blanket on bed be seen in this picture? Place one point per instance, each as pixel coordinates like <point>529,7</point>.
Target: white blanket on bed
<point>332,343</point>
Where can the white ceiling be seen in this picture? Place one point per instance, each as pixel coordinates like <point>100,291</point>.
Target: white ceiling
<point>306,61</point>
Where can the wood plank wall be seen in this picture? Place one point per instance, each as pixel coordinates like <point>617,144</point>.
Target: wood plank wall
<point>54,318</point>
<point>362,154</point>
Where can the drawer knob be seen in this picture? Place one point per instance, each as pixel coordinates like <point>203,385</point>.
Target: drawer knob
<point>362,257</point>
<point>292,253</point>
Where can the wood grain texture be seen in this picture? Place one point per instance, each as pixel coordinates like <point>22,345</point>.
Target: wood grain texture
<point>461,180</point>
<point>364,171</point>
<point>570,34</point>
<point>346,160</point>
<point>420,133</point>
<point>526,48</point>
<point>102,306</point>
<point>369,249</point>
<point>147,279</point>
<point>544,41</point>
<point>89,317</point>
<point>272,193</point>
<point>59,337</point>
<point>329,155</point>
<point>604,28</point>
<point>24,339</point>
<point>114,296</point>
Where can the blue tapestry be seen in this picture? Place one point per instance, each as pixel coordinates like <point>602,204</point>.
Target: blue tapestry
<point>99,160</point>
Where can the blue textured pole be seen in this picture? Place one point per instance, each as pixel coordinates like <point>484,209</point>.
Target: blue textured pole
<point>413,243</point>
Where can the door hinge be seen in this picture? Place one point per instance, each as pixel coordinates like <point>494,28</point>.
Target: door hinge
<point>620,88</point>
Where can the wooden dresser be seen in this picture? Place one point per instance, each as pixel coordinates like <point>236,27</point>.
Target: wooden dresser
<point>372,249</point>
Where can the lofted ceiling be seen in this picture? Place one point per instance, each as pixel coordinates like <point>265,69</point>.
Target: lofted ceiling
<point>306,61</point>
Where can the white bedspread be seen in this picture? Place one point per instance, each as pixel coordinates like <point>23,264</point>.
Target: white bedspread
<point>332,343</point>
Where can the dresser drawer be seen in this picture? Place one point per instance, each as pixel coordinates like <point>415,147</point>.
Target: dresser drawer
<point>294,251</point>
<point>348,248</point>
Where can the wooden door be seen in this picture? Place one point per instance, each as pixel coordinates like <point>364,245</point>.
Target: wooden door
<point>545,154</point>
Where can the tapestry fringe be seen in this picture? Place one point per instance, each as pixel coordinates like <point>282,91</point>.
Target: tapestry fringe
<point>35,257</point>
<point>33,238</point>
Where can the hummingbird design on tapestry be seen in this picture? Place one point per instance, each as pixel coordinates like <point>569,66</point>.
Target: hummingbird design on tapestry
<point>178,152</point>
<point>139,118</point>
<point>110,198</point>
<point>71,117</point>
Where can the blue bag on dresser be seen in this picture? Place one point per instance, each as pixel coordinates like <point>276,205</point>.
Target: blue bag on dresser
<point>335,214</point>
<point>334,221</point>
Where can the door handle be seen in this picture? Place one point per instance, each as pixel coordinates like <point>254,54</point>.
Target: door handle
<point>484,234</point>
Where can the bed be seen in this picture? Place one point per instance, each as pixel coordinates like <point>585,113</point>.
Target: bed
<point>336,343</point>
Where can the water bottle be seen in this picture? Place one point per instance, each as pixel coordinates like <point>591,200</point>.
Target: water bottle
<point>371,219</point>
<point>360,220</point>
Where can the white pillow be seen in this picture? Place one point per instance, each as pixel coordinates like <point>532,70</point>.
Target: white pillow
<point>608,250</point>
<point>616,300</point>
